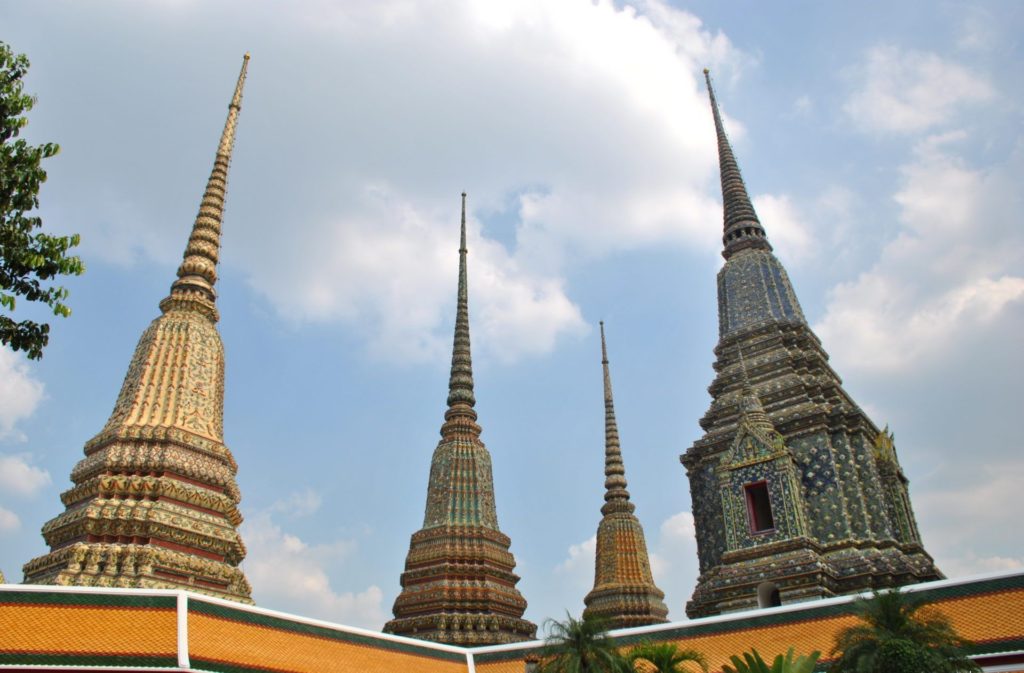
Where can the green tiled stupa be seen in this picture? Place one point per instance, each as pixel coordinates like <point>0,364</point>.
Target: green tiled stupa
<point>796,493</point>
<point>459,586</point>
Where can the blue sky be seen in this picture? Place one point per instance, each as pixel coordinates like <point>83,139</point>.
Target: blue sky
<point>882,144</point>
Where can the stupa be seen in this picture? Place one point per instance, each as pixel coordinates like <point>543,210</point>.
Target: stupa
<point>155,502</point>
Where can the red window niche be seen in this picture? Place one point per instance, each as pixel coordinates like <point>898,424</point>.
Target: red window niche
<point>759,507</point>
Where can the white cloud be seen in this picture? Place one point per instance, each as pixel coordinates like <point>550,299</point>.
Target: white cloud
<point>517,102</point>
<point>300,503</point>
<point>291,575</point>
<point>20,394</point>
<point>970,563</point>
<point>9,521</point>
<point>578,566</point>
<point>393,272</point>
<point>803,105</point>
<point>674,561</point>
<point>965,522</point>
<point>785,225</point>
<point>672,550</point>
<point>978,28</point>
<point>952,273</point>
<point>902,90</point>
<point>18,477</point>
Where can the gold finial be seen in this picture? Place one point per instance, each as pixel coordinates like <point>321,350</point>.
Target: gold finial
<point>707,71</point>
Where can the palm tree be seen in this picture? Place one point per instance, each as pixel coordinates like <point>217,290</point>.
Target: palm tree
<point>899,633</point>
<point>580,646</point>
<point>664,658</point>
<point>753,663</point>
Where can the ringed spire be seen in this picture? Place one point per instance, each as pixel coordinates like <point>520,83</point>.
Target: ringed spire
<point>624,592</point>
<point>197,273</point>
<point>459,584</point>
<point>616,496</point>
<point>461,399</point>
<point>154,503</point>
<point>742,228</point>
<point>792,498</point>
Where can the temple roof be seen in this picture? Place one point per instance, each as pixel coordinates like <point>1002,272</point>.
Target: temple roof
<point>137,630</point>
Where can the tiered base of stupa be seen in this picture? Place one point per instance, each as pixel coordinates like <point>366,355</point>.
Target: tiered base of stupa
<point>624,592</point>
<point>458,588</point>
<point>151,508</point>
<point>801,570</point>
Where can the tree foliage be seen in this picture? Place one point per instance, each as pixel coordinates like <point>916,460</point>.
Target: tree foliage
<point>753,663</point>
<point>28,258</point>
<point>898,633</point>
<point>580,646</point>
<point>665,658</point>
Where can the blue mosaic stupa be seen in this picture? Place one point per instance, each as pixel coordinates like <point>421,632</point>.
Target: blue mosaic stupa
<point>797,494</point>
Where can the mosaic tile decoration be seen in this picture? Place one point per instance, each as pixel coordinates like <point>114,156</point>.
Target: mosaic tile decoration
<point>624,592</point>
<point>780,417</point>
<point>155,501</point>
<point>459,586</point>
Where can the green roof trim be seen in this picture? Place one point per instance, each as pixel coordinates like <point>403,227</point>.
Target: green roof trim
<point>283,624</point>
<point>88,600</point>
<point>48,659</point>
<point>223,667</point>
<point>811,613</point>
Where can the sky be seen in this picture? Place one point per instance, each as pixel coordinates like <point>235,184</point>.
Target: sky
<point>884,158</point>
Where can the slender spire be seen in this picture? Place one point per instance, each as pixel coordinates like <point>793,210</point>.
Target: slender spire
<point>460,384</point>
<point>154,503</point>
<point>616,496</point>
<point>459,581</point>
<point>624,592</point>
<point>742,228</point>
<point>198,271</point>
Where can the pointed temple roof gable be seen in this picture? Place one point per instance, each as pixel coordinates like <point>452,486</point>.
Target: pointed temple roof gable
<point>624,592</point>
<point>155,501</point>
<point>459,586</point>
<point>742,227</point>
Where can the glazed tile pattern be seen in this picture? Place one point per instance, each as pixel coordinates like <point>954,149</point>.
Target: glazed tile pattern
<point>624,592</point>
<point>133,630</point>
<point>779,415</point>
<point>985,611</point>
<point>72,629</point>
<point>459,586</point>
<point>155,502</point>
